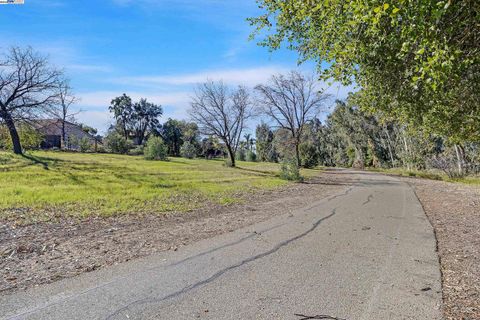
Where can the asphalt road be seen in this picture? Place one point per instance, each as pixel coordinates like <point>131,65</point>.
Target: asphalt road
<point>365,253</point>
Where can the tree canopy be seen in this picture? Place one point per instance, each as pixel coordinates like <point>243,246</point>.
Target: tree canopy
<point>417,61</point>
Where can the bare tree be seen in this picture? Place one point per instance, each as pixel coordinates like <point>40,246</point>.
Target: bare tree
<point>63,111</point>
<point>291,101</point>
<point>222,113</point>
<point>28,86</point>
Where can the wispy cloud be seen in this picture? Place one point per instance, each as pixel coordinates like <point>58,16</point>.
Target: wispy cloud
<point>249,77</point>
<point>88,68</point>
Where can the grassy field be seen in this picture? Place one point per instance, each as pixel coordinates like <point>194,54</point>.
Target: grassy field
<point>44,185</point>
<point>428,175</point>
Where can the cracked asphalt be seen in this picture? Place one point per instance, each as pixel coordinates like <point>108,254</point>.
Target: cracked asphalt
<point>368,252</point>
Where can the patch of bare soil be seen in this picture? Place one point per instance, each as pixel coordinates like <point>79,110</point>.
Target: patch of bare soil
<point>454,211</point>
<point>45,252</point>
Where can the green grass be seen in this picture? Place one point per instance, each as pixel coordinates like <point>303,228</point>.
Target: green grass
<point>46,185</point>
<point>472,180</point>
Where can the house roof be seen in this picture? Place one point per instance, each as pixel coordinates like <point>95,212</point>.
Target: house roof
<point>53,127</point>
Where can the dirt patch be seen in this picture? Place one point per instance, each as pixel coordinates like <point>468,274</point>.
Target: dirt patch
<point>454,211</point>
<point>45,252</point>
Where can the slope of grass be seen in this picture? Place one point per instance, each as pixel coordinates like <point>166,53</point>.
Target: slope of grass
<point>42,185</point>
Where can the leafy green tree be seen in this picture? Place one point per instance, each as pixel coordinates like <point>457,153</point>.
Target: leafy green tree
<point>188,150</point>
<point>136,119</point>
<point>122,109</point>
<point>155,149</point>
<point>144,118</point>
<point>309,155</point>
<point>116,143</point>
<point>175,133</point>
<point>264,143</point>
<point>171,132</point>
<point>416,61</point>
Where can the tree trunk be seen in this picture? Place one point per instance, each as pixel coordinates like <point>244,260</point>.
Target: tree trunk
<point>297,154</point>
<point>459,160</point>
<point>17,146</point>
<point>390,147</point>
<point>231,154</point>
<point>63,144</point>
<point>406,152</point>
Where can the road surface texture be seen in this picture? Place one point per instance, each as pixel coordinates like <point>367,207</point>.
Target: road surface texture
<point>365,253</point>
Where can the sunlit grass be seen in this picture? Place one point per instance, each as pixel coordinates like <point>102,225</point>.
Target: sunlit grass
<point>43,185</point>
<point>473,180</point>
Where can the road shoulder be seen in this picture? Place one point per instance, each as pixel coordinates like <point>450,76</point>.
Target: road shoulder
<point>454,211</point>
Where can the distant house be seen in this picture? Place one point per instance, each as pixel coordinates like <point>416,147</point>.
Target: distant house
<point>51,130</point>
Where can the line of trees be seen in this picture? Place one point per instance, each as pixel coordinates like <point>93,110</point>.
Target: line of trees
<point>416,64</point>
<point>355,133</point>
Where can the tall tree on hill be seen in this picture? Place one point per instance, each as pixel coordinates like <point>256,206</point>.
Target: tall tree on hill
<point>28,87</point>
<point>222,113</point>
<point>291,101</point>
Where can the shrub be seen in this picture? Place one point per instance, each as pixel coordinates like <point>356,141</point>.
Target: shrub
<point>308,155</point>
<point>155,149</point>
<point>289,170</point>
<point>116,143</point>
<point>251,156</point>
<point>136,151</point>
<point>240,155</point>
<point>188,150</point>
<point>29,137</point>
<point>448,164</point>
<point>85,145</point>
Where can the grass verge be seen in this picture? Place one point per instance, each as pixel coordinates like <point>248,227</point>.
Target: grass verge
<point>472,180</point>
<point>42,186</point>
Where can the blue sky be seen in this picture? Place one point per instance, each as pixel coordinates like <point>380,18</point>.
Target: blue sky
<point>145,48</point>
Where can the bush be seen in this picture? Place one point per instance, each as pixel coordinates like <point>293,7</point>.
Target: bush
<point>29,137</point>
<point>251,156</point>
<point>116,143</point>
<point>308,155</point>
<point>240,155</point>
<point>155,149</point>
<point>85,145</point>
<point>137,151</point>
<point>448,164</point>
<point>188,150</point>
<point>289,170</point>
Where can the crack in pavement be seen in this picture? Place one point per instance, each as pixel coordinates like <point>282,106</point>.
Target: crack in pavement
<point>70,297</point>
<point>370,197</point>
<point>328,199</point>
<point>223,271</point>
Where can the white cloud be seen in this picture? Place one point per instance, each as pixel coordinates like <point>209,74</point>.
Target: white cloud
<point>100,120</point>
<point>249,77</point>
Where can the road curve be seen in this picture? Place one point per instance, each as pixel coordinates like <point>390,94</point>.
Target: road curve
<point>368,252</point>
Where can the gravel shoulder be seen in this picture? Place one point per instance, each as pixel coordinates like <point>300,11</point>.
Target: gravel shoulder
<point>46,252</point>
<point>454,211</point>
